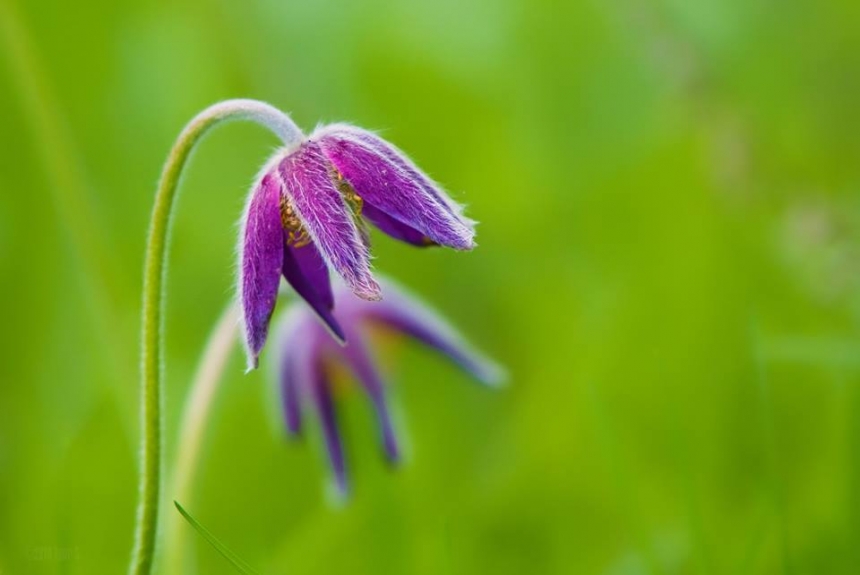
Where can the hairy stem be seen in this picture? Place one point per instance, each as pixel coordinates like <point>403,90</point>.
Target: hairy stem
<point>154,303</point>
<point>198,406</point>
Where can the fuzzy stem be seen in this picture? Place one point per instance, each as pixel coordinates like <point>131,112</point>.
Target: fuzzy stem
<point>154,303</point>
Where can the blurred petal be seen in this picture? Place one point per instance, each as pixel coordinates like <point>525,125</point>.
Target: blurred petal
<point>407,314</point>
<point>309,188</point>
<point>306,271</point>
<point>321,396</point>
<point>358,357</point>
<point>386,179</point>
<point>262,255</point>
<point>289,375</point>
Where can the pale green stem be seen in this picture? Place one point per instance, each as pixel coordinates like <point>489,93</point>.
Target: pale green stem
<point>69,194</point>
<point>154,302</point>
<point>66,182</point>
<point>198,406</point>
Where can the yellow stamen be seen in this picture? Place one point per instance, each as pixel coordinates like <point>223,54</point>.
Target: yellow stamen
<point>297,235</point>
<point>353,200</point>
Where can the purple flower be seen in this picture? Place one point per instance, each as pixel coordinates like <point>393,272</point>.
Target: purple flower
<point>307,355</point>
<point>306,214</point>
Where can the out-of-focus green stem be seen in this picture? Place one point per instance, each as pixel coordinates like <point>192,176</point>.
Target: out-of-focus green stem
<point>198,407</point>
<point>66,185</point>
<point>154,302</point>
<point>68,190</point>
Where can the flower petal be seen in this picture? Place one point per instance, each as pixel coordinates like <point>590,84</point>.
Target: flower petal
<point>358,357</point>
<point>305,270</point>
<point>396,156</point>
<point>299,343</point>
<point>385,178</point>
<point>408,315</point>
<point>394,228</point>
<point>261,259</point>
<point>289,376</point>
<point>322,399</point>
<point>310,190</point>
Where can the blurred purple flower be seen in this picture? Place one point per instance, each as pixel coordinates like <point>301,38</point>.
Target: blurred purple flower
<point>307,354</point>
<point>306,213</point>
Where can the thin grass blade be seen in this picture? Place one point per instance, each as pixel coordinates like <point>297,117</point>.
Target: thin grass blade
<point>238,563</point>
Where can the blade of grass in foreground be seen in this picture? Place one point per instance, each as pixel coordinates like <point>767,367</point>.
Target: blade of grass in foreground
<point>240,565</point>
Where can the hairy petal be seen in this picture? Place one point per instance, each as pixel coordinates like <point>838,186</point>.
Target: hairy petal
<point>262,254</point>
<point>310,190</point>
<point>386,179</point>
<point>405,313</point>
<point>306,271</point>
<point>361,364</point>
<point>397,157</point>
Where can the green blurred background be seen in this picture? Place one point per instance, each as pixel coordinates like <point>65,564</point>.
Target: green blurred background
<point>668,265</point>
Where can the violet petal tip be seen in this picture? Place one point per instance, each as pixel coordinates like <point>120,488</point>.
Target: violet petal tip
<point>335,330</point>
<point>368,291</point>
<point>392,450</point>
<point>492,374</point>
<point>253,362</point>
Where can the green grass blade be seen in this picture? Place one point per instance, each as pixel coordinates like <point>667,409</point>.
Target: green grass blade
<point>240,565</point>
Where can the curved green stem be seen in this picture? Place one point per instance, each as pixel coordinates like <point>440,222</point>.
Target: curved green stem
<point>154,303</point>
<point>198,406</point>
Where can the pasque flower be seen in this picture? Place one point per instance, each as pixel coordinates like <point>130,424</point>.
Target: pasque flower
<point>306,214</point>
<point>307,353</point>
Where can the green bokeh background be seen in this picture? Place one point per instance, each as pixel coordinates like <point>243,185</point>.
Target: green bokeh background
<point>669,197</point>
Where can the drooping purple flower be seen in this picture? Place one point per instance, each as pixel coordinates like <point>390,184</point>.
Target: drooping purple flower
<point>306,214</point>
<point>307,354</point>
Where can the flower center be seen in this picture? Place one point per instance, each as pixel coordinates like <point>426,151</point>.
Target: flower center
<point>297,235</point>
<point>352,199</point>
